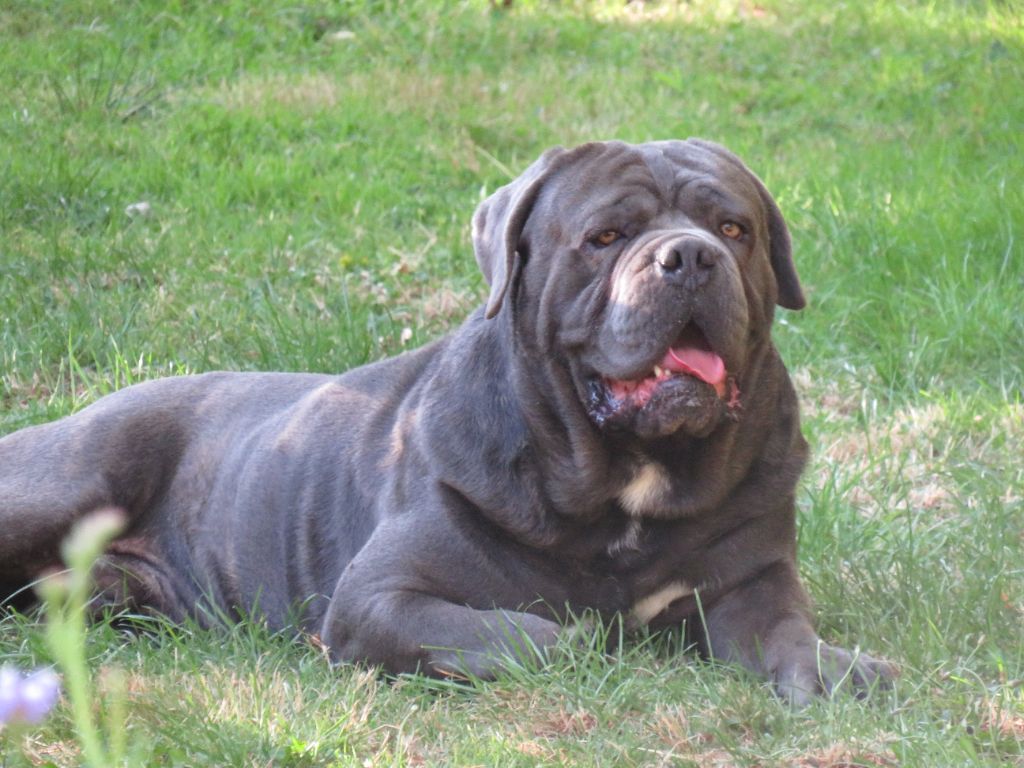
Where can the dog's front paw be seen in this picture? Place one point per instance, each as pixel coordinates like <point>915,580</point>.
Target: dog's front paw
<point>491,641</point>
<point>809,670</point>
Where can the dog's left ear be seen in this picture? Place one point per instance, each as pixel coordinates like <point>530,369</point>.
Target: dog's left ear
<point>791,294</point>
<point>498,224</point>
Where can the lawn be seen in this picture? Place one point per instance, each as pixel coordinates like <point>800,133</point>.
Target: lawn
<point>287,186</point>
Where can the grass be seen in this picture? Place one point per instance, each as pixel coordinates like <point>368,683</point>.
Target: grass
<point>310,170</point>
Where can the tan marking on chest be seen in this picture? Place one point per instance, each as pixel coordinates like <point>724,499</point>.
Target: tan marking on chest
<point>648,485</point>
<point>628,540</point>
<point>646,608</point>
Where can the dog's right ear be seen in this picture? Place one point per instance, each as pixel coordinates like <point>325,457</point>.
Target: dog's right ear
<point>498,224</point>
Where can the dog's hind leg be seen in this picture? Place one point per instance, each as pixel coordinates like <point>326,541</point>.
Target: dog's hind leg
<point>107,455</point>
<point>46,483</point>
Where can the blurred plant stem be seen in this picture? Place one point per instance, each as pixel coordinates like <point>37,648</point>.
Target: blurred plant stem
<point>66,596</point>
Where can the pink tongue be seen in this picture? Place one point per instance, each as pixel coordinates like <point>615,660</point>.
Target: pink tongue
<point>702,363</point>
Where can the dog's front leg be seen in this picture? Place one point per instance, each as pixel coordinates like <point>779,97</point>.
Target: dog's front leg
<point>764,625</point>
<point>402,603</point>
<point>411,632</point>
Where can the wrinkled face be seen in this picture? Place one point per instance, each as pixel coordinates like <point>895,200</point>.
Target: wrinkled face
<point>648,270</point>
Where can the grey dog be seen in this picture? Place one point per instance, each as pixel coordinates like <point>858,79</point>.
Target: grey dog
<point>613,432</point>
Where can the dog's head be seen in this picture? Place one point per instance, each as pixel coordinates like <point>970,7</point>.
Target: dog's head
<point>651,270</point>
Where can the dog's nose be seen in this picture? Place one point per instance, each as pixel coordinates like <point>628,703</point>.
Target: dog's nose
<point>669,259</point>
<point>682,255</point>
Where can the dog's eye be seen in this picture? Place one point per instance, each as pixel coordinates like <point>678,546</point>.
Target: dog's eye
<point>606,238</point>
<point>731,229</point>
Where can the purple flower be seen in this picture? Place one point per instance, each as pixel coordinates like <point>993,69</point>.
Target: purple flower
<point>26,699</point>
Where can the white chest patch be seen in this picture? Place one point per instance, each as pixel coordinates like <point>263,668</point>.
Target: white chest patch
<point>648,485</point>
<point>629,539</point>
<point>648,607</point>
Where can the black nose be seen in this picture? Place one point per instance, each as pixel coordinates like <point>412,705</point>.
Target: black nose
<point>682,255</point>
